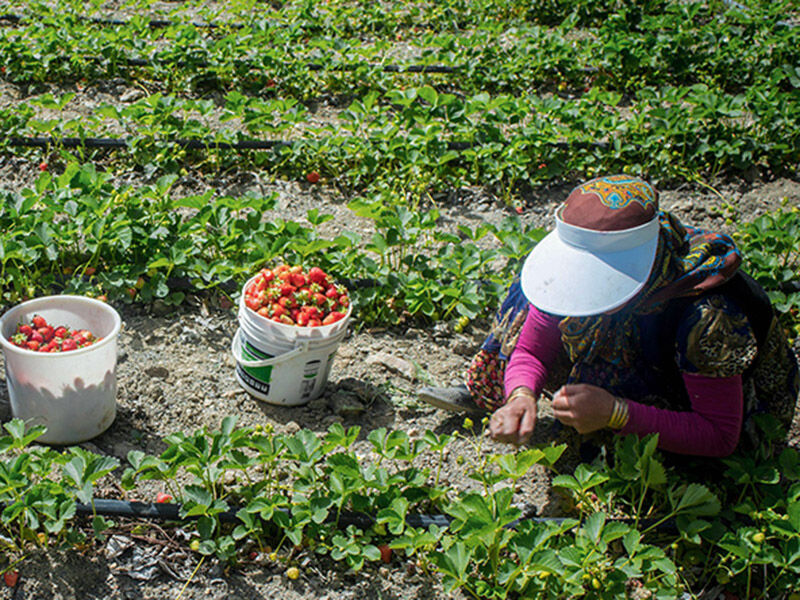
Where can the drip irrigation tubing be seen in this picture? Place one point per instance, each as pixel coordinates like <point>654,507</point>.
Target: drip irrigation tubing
<point>202,144</point>
<point>171,512</point>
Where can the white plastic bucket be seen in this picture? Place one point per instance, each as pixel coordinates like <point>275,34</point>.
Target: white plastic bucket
<point>284,364</point>
<point>71,393</point>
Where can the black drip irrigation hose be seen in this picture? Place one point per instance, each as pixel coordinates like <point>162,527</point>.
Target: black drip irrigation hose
<point>201,144</point>
<point>171,512</point>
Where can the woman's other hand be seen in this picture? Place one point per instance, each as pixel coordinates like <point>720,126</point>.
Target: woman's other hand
<point>585,407</point>
<point>514,422</point>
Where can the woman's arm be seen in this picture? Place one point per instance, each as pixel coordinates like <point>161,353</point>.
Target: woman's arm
<point>526,372</point>
<point>711,428</point>
<point>537,347</point>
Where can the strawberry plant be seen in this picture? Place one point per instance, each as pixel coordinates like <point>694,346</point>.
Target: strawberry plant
<point>769,245</point>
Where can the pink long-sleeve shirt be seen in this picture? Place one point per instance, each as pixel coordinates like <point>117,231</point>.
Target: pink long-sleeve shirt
<point>711,428</point>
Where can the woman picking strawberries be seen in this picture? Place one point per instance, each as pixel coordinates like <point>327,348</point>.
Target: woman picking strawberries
<point>659,329</point>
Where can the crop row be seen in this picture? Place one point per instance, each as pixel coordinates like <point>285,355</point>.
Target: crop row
<point>76,232</point>
<point>420,140</point>
<point>79,233</point>
<point>683,45</point>
<point>247,493</point>
<point>346,18</point>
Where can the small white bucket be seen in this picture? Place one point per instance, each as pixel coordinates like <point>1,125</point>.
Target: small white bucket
<point>284,364</point>
<point>71,393</point>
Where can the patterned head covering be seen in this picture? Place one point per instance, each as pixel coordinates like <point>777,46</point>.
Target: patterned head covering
<point>601,252</point>
<point>688,262</point>
<point>611,203</point>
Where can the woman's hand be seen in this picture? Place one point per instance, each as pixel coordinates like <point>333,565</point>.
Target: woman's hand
<point>585,407</point>
<point>514,422</point>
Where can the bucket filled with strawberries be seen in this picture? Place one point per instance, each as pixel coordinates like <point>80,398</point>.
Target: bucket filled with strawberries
<point>291,303</point>
<point>60,354</point>
<point>291,322</point>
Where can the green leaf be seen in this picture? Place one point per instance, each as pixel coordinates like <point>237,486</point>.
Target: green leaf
<point>593,527</point>
<point>429,94</point>
<point>699,500</point>
<point>793,510</point>
<point>455,561</point>
<point>371,552</point>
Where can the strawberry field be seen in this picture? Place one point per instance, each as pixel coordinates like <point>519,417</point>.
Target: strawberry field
<point>158,155</point>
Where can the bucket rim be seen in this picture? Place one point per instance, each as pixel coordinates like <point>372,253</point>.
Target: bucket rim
<point>108,339</point>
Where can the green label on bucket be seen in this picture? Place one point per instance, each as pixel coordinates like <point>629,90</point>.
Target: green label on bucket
<point>260,376</point>
<point>252,382</point>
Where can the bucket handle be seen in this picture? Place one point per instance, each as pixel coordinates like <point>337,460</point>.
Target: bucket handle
<point>267,362</point>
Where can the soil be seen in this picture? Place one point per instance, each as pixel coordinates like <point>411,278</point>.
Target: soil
<point>176,373</point>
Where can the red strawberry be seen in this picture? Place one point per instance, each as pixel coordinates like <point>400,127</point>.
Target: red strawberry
<point>312,177</point>
<point>27,330</point>
<point>37,337</point>
<point>47,332</point>
<point>302,319</point>
<point>344,300</point>
<point>264,311</point>
<point>298,280</point>
<point>163,498</point>
<point>43,166</point>
<point>69,344</point>
<point>11,578</point>
<point>317,275</point>
<point>320,299</point>
<point>61,332</point>
<point>38,321</point>
<point>32,345</point>
<point>332,318</point>
<point>267,275</point>
<point>287,289</point>
<point>332,292</point>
